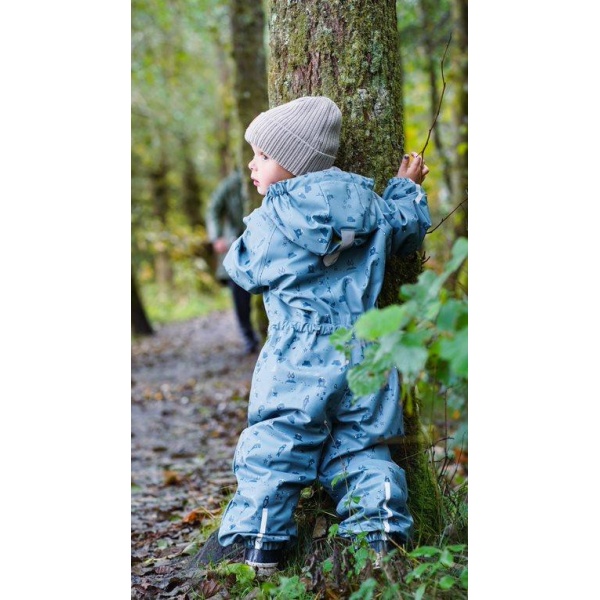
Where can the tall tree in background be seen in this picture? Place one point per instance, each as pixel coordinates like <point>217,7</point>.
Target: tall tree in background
<point>191,185</point>
<point>227,154</point>
<point>160,196</point>
<point>250,80</point>
<point>352,56</point>
<point>250,84</point>
<point>460,112</point>
<point>431,21</point>
<point>140,323</point>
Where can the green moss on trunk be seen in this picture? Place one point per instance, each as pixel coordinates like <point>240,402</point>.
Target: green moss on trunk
<point>347,51</point>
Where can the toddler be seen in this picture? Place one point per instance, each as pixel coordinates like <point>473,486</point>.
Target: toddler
<point>316,249</point>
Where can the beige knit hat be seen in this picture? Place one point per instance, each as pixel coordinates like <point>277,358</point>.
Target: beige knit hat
<point>302,136</point>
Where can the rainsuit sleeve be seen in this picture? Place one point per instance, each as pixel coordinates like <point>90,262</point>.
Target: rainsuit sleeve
<point>247,257</point>
<point>408,216</point>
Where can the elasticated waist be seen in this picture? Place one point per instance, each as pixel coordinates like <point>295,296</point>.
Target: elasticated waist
<point>311,327</point>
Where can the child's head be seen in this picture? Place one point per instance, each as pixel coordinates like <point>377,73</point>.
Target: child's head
<point>301,136</point>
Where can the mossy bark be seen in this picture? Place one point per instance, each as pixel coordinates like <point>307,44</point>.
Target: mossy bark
<point>349,51</point>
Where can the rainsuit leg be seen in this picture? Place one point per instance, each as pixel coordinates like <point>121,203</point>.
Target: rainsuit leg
<point>357,470</point>
<point>278,454</point>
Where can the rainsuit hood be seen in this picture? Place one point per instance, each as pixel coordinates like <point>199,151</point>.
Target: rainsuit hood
<point>313,212</point>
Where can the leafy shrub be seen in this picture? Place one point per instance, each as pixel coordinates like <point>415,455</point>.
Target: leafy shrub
<point>425,338</point>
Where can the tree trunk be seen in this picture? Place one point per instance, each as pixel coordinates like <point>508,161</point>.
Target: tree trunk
<point>350,54</point>
<point>191,187</point>
<point>248,31</point>
<point>227,157</point>
<point>460,112</point>
<point>139,321</point>
<point>160,197</point>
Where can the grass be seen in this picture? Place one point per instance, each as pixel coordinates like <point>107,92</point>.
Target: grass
<point>183,303</point>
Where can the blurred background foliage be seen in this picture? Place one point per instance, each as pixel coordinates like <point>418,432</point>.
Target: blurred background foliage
<point>185,136</point>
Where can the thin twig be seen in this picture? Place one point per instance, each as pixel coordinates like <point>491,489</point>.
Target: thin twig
<point>437,114</point>
<point>448,215</point>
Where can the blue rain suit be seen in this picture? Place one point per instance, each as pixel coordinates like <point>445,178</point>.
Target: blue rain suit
<point>316,249</point>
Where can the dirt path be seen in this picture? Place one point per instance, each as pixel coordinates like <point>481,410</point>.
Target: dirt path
<point>190,385</point>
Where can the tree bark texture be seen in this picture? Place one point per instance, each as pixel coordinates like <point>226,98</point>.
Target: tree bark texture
<point>349,52</point>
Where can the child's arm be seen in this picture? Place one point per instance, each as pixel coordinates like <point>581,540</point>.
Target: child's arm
<point>409,212</point>
<point>245,260</point>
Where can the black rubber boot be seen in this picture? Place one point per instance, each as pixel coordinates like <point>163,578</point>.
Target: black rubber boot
<point>264,562</point>
<point>212,552</point>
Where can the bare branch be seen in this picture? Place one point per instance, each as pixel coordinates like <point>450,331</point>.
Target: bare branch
<point>449,214</point>
<point>437,114</point>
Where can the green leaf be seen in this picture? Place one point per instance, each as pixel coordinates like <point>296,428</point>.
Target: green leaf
<point>428,286</point>
<point>446,558</point>
<point>446,582</point>
<point>376,323</point>
<point>420,591</point>
<point>410,360</point>
<point>419,571</point>
<point>340,338</point>
<point>450,314</point>
<point>386,345</point>
<point>363,379</point>
<point>460,251</point>
<point>464,578</point>
<point>243,573</point>
<point>456,352</point>
<point>365,592</point>
<point>427,551</point>
<point>416,338</point>
<point>339,477</point>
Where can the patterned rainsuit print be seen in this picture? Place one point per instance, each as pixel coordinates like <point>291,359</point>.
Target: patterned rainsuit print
<point>317,249</point>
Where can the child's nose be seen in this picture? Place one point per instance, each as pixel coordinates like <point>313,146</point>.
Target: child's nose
<point>251,165</point>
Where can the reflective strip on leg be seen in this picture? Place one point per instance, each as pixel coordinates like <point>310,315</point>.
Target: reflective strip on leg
<point>263,528</point>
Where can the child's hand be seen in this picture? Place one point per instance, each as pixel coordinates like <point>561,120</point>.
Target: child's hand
<point>414,169</point>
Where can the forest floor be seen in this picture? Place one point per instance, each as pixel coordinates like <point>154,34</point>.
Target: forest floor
<point>190,385</point>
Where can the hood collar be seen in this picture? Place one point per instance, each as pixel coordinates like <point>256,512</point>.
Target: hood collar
<point>318,210</point>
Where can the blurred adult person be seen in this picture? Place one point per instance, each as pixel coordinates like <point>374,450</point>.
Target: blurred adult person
<point>224,220</point>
